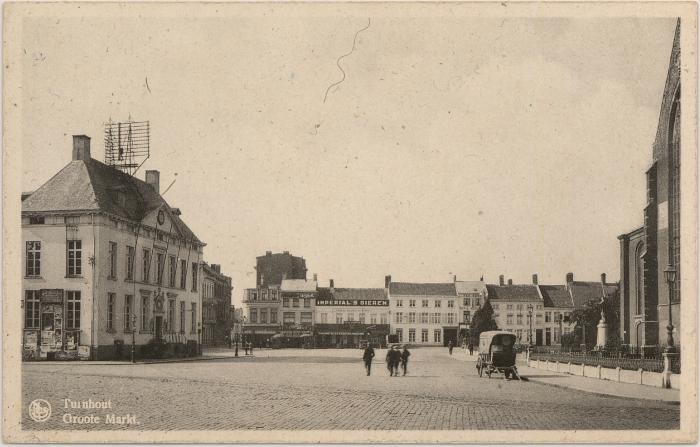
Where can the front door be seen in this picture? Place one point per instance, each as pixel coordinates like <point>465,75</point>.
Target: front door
<point>51,329</point>
<point>159,327</point>
<point>538,337</point>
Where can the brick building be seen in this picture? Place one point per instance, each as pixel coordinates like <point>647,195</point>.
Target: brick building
<point>217,318</point>
<point>263,317</point>
<point>272,268</point>
<point>105,259</point>
<point>650,249</point>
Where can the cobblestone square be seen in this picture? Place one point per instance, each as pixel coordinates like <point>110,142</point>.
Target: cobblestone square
<point>320,389</point>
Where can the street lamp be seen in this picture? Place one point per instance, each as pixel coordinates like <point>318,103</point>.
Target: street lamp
<point>133,338</point>
<point>199,337</point>
<point>530,307</point>
<point>670,276</point>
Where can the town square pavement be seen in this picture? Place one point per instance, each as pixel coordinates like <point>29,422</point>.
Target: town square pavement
<point>320,389</point>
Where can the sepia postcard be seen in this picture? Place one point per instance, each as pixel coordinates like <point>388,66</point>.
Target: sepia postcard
<point>350,222</point>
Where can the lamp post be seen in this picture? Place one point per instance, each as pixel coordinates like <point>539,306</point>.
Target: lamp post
<point>199,338</point>
<point>133,338</point>
<point>236,333</point>
<point>670,276</point>
<point>561,329</point>
<point>530,307</point>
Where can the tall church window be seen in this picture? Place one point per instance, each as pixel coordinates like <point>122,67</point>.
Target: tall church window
<point>674,202</point>
<point>639,278</point>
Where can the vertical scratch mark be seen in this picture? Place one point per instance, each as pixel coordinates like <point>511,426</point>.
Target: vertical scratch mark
<point>337,62</point>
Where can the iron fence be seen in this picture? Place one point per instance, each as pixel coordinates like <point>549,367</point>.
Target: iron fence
<point>645,361</point>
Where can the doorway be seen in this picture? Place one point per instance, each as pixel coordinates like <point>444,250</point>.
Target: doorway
<point>538,337</point>
<point>159,327</point>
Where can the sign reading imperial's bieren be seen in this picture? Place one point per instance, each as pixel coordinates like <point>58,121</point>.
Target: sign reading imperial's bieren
<point>375,303</point>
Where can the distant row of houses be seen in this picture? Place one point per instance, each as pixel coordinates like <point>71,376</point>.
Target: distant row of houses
<point>288,305</point>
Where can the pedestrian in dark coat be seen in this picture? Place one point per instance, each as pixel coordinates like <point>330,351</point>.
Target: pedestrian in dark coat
<point>405,354</point>
<point>389,366</point>
<point>367,357</point>
<point>471,349</point>
<point>394,356</point>
<point>450,345</point>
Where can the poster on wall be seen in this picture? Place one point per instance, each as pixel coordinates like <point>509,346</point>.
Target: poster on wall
<point>30,340</point>
<point>84,352</point>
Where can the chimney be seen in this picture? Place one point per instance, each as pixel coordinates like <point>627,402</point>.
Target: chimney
<point>454,278</point>
<point>500,280</point>
<point>176,211</point>
<point>216,268</point>
<point>331,285</point>
<point>603,278</point>
<point>315,277</point>
<point>268,253</point>
<point>569,277</point>
<point>387,281</point>
<point>81,147</point>
<point>534,278</point>
<point>153,179</point>
<point>510,282</point>
<point>286,252</point>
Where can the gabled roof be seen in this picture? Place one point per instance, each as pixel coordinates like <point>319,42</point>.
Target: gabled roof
<point>583,291</point>
<point>298,285</point>
<point>425,289</point>
<point>92,186</point>
<point>351,294</point>
<point>516,292</point>
<point>469,286</point>
<point>556,296</point>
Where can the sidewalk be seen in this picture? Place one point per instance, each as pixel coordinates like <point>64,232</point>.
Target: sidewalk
<point>590,385</point>
<point>200,358</point>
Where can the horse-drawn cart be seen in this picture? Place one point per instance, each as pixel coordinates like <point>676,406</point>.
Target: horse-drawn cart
<point>496,354</point>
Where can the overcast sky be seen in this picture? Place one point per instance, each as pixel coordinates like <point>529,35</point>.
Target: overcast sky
<point>453,146</point>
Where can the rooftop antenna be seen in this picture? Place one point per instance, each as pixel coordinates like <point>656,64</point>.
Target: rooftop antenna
<point>127,145</point>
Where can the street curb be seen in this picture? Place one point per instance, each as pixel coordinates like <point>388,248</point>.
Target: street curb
<point>597,393</point>
<point>141,362</point>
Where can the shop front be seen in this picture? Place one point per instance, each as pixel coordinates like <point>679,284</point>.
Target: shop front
<point>52,325</point>
<point>351,334</point>
<point>260,336</point>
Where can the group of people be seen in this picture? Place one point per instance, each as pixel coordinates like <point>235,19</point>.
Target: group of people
<point>394,358</point>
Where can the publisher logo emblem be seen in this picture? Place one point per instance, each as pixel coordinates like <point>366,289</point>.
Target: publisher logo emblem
<point>39,410</point>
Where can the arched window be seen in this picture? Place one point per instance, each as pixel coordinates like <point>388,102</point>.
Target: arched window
<point>674,202</point>
<point>639,278</point>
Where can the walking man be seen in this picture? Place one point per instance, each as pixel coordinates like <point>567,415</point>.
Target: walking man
<point>450,345</point>
<point>388,361</point>
<point>367,357</point>
<point>395,360</point>
<point>404,359</point>
<point>471,349</point>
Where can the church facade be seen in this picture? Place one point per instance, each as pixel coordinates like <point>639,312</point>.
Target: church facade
<point>647,300</point>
